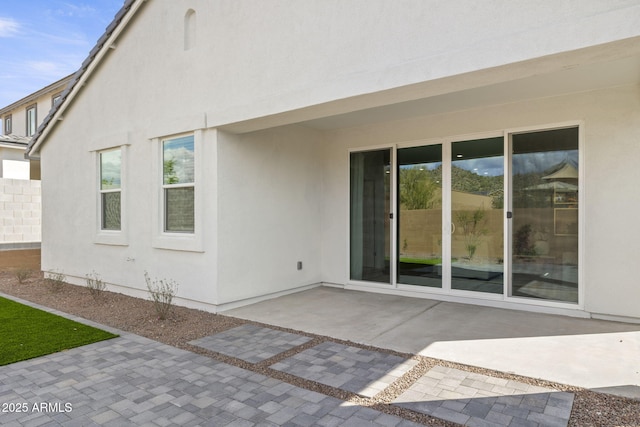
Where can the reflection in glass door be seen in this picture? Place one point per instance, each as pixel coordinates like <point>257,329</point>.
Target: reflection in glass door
<point>420,216</point>
<point>477,211</point>
<point>545,215</point>
<point>370,228</point>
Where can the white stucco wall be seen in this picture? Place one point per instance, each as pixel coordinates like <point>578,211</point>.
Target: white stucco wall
<point>611,118</point>
<point>270,201</point>
<point>254,59</point>
<point>13,164</point>
<point>274,197</point>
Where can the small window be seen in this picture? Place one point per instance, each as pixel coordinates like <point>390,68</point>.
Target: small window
<point>111,189</point>
<point>32,123</point>
<point>178,183</point>
<point>55,99</point>
<point>7,125</point>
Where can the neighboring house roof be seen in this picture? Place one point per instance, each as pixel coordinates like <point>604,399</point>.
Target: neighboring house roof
<point>17,140</point>
<point>105,42</point>
<point>567,171</point>
<point>60,84</point>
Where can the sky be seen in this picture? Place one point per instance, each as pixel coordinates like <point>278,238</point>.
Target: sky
<point>42,41</point>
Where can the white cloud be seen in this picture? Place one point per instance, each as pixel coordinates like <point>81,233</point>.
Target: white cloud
<point>8,27</point>
<point>76,10</point>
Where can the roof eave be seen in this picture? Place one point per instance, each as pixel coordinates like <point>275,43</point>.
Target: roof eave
<point>93,60</point>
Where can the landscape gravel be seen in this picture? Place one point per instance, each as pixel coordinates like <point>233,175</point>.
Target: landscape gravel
<point>137,316</point>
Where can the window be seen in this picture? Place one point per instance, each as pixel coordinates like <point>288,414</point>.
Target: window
<point>178,184</point>
<point>55,99</point>
<point>31,120</point>
<point>110,189</point>
<point>7,125</point>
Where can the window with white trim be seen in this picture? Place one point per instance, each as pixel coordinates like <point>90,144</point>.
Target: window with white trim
<point>178,184</point>
<point>32,120</point>
<point>111,190</point>
<point>7,125</point>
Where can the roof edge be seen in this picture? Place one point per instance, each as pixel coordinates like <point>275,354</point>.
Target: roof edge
<point>62,83</point>
<point>95,57</point>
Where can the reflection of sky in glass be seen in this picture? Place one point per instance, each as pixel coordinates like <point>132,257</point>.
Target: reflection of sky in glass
<point>110,162</point>
<point>178,160</point>
<point>486,166</point>
<point>542,161</point>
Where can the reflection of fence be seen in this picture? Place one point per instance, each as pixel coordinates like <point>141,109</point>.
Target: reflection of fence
<point>20,211</point>
<point>421,235</point>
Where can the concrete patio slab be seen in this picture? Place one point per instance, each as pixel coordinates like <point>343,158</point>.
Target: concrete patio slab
<point>589,353</point>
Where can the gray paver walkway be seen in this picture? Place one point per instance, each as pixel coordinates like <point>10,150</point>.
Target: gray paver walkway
<point>350,368</point>
<point>476,400</point>
<point>251,343</point>
<point>132,380</point>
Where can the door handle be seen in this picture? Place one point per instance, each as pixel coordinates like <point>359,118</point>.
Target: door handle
<point>453,228</point>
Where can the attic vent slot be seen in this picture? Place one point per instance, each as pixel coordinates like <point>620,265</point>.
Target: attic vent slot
<point>189,29</point>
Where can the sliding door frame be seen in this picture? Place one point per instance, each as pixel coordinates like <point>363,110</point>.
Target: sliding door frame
<point>446,292</point>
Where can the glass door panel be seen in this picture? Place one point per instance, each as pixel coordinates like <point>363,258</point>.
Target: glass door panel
<point>420,216</point>
<point>545,215</point>
<point>370,227</point>
<point>477,211</point>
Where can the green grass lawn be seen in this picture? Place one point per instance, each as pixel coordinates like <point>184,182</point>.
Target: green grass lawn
<point>26,332</point>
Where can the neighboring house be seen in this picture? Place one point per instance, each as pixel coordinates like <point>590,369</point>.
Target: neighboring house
<point>13,164</point>
<point>20,122</point>
<point>250,149</point>
<point>20,205</point>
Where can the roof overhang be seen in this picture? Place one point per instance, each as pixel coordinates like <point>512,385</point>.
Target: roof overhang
<point>587,69</point>
<point>79,79</point>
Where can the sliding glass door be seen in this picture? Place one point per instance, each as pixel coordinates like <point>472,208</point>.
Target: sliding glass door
<point>370,208</point>
<point>477,212</point>
<point>420,216</point>
<point>470,217</point>
<point>544,247</point>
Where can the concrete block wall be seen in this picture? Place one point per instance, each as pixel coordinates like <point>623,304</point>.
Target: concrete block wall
<point>20,211</point>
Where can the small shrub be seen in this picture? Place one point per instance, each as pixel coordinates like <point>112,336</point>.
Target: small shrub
<point>95,285</point>
<point>162,293</point>
<point>22,274</point>
<point>56,280</point>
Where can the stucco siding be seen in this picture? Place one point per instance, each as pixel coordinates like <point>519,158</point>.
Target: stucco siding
<point>270,198</point>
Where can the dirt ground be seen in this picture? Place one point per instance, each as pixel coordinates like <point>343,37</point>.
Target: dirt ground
<point>20,259</point>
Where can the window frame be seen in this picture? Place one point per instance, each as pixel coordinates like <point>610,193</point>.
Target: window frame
<point>108,236</point>
<point>8,124</point>
<point>31,128</point>
<point>177,240</point>
<point>104,191</point>
<point>55,99</point>
<point>180,185</point>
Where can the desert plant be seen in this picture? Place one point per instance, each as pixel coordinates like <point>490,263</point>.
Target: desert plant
<point>22,274</point>
<point>161,294</point>
<point>95,285</point>
<point>472,224</point>
<point>56,280</point>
